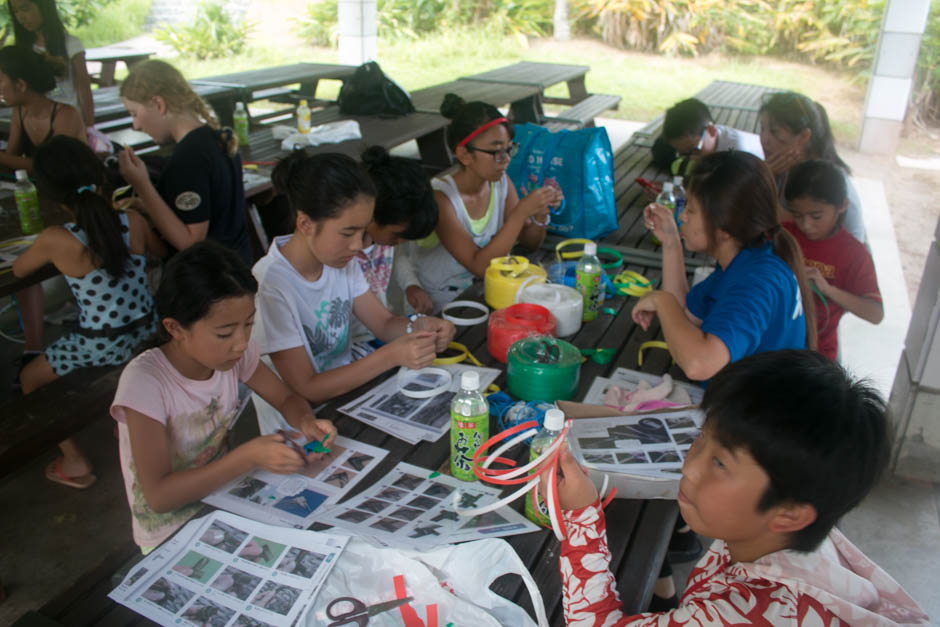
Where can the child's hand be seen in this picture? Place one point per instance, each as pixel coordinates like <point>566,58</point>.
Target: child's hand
<point>419,300</point>
<point>538,201</point>
<point>413,350</point>
<point>132,168</point>
<point>661,222</point>
<point>274,454</point>
<point>644,310</point>
<point>575,489</point>
<point>316,429</point>
<point>814,275</point>
<point>444,331</point>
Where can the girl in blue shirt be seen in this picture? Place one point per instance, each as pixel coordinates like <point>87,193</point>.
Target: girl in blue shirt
<point>753,302</point>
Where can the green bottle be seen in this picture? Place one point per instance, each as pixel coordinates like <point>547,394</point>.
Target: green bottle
<point>552,427</point>
<point>240,122</point>
<point>27,202</point>
<point>588,281</point>
<point>469,425</point>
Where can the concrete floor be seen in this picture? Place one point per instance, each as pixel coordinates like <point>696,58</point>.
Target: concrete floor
<point>50,534</point>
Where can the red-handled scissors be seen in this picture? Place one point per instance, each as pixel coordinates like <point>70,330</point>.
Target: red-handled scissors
<point>359,613</point>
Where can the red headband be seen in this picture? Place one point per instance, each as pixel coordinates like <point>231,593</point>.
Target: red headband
<point>480,130</point>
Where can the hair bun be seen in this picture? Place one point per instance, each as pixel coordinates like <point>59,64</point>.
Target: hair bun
<point>375,156</point>
<point>451,106</point>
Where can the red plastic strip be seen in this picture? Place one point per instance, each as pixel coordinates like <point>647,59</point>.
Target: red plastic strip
<point>408,613</point>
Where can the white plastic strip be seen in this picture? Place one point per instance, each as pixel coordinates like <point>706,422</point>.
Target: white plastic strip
<point>565,303</point>
<point>476,511</point>
<point>407,376</point>
<point>465,322</point>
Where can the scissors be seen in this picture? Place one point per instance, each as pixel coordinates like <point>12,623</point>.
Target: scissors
<point>360,613</point>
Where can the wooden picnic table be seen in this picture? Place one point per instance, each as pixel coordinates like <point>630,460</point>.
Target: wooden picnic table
<point>10,229</point>
<point>257,84</point>
<point>110,56</point>
<point>541,75</point>
<point>525,100</point>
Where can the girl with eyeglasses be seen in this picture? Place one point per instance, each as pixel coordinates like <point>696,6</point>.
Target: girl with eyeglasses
<point>795,129</point>
<point>480,215</point>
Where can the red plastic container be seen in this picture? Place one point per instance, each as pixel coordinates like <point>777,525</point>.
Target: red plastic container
<point>514,323</point>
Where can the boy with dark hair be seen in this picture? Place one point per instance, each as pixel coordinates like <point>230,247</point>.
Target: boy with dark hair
<point>790,444</point>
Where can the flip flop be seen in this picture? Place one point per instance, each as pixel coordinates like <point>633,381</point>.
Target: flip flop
<point>54,473</point>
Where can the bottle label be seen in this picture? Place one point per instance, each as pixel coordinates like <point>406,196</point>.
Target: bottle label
<point>589,285</point>
<point>241,129</point>
<point>539,514</point>
<point>467,435</point>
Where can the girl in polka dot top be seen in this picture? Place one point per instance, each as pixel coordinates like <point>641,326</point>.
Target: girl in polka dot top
<point>101,255</point>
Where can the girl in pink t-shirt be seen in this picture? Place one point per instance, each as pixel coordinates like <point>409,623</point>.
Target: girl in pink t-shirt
<point>176,403</point>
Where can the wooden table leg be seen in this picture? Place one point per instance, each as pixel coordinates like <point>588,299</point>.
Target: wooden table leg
<point>106,78</point>
<point>576,90</point>
<point>528,110</point>
<point>308,89</point>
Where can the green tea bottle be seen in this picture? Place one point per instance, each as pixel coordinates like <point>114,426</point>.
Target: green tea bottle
<point>469,425</point>
<point>588,281</point>
<point>27,202</point>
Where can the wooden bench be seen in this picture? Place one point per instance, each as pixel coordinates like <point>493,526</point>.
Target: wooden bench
<point>582,114</point>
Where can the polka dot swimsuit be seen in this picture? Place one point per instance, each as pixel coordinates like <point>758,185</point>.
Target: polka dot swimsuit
<point>115,315</point>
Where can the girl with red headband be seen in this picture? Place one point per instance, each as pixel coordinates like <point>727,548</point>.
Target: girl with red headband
<point>480,216</point>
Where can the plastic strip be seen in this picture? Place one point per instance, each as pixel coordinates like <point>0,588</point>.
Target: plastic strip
<point>407,376</point>
<point>465,322</point>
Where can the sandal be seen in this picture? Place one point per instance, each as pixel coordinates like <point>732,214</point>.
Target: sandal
<point>80,482</point>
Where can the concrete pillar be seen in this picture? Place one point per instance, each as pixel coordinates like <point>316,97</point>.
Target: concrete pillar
<point>358,41</point>
<point>889,89</point>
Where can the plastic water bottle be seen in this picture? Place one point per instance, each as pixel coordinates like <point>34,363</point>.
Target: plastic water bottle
<point>552,427</point>
<point>27,202</point>
<point>678,192</point>
<point>240,121</point>
<point>469,425</point>
<point>303,117</point>
<point>588,281</point>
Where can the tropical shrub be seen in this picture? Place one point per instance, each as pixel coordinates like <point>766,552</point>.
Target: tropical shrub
<point>213,34</point>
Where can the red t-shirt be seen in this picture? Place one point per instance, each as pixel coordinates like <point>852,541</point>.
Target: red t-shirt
<point>846,264</point>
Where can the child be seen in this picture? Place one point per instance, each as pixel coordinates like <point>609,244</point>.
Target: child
<point>24,80</point>
<point>176,403</point>
<point>405,209</point>
<point>689,129</point>
<point>480,215</point>
<point>794,129</point>
<point>200,194</point>
<point>102,257</point>
<point>753,301</point>
<point>36,26</point>
<point>309,289</point>
<point>840,267</point>
<point>769,477</point>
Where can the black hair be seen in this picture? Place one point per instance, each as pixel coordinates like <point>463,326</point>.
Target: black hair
<point>663,154</point>
<point>69,173</point>
<point>738,195</point>
<point>688,117</point>
<point>24,64</point>
<point>797,112</point>
<point>820,436</point>
<point>817,179</point>
<point>322,185</point>
<point>53,33</point>
<point>403,193</point>
<point>466,117</point>
<point>198,277</point>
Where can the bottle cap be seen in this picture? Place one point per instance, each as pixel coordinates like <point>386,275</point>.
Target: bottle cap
<point>22,175</point>
<point>590,248</point>
<point>667,186</point>
<point>470,380</point>
<point>677,180</point>
<point>303,102</point>
<point>554,419</point>
<point>239,106</point>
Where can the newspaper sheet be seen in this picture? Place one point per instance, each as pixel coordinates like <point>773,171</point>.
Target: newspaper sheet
<point>12,248</point>
<point>630,379</point>
<point>412,419</point>
<point>412,507</point>
<point>226,570</point>
<point>294,500</point>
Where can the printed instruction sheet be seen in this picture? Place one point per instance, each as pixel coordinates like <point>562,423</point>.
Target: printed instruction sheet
<point>630,379</point>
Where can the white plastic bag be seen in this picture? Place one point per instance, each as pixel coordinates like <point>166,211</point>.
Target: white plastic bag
<point>455,577</point>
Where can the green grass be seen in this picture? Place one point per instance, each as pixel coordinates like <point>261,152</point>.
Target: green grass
<point>117,22</point>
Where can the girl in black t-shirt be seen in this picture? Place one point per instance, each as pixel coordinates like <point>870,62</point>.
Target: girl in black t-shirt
<point>200,194</point>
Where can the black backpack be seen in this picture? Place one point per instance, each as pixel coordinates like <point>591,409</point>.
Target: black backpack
<point>370,92</point>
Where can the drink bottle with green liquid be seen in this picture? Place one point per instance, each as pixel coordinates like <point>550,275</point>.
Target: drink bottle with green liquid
<point>551,429</point>
<point>469,425</point>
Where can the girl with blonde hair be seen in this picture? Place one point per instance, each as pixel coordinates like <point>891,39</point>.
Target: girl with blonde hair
<point>199,194</point>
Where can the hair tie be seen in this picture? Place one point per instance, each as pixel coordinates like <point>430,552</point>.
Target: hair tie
<point>489,124</point>
<point>772,231</point>
<point>87,188</point>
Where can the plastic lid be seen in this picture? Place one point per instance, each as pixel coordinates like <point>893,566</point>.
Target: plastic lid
<point>470,380</point>
<point>677,180</point>
<point>554,419</point>
<point>667,186</point>
<point>303,102</point>
<point>22,175</point>
<point>590,248</point>
<point>239,106</point>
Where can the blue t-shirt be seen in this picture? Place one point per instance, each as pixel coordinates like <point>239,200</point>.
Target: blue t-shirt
<point>753,305</point>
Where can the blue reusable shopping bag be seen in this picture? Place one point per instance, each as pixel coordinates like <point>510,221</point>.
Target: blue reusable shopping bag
<point>581,163</point>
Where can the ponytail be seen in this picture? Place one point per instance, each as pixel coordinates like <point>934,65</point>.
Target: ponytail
<point>786,247</point>
<point>103,226</point>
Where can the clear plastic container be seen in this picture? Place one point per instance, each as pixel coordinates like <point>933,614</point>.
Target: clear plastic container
<point>27,203</point>
<point>469,425</point>
<point>552,427</point>
<point>588,282</point>
<point>240,122</point>
<point>303,117</point>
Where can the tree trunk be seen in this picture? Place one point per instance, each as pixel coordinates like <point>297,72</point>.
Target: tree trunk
<point>562,27</point>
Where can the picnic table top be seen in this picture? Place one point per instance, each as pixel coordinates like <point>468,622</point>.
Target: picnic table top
<point>117,53</point>
<point>535,73</point>
<point>429,99</point>
<point>264,78</point>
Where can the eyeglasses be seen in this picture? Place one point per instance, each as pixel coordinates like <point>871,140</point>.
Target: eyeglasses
<point>500,155</point>
<point>698,147</point>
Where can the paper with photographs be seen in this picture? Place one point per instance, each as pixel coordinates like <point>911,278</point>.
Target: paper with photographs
<point>630,379</point>
<point>648,444</point>
<point>295,500</point>
<point>226,570</point>
<point>412,419</point>
<point>12,248</point>
<point>412,507</point>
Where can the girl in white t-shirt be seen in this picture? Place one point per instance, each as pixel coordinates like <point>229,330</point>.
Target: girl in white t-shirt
<point>36,24</point>
<point>480,215</point>
<point>311,285</point>
<point>176,403</point>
